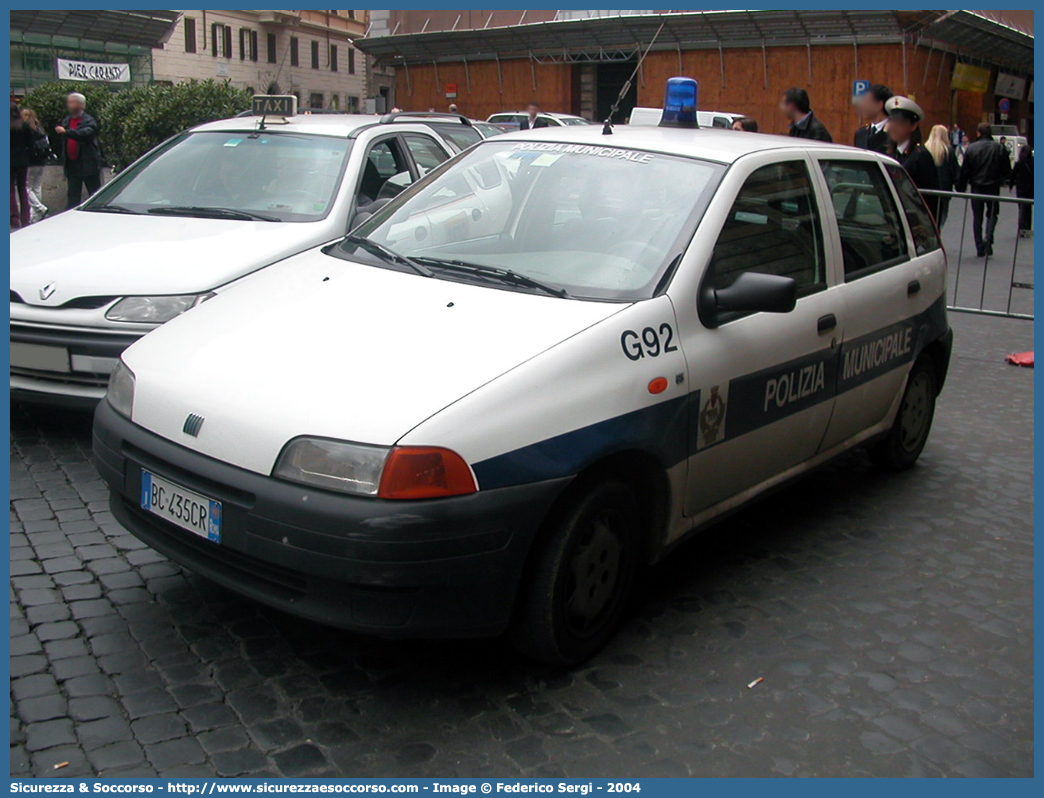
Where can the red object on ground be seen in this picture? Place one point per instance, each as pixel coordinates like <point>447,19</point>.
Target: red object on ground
<point>1021,359</point>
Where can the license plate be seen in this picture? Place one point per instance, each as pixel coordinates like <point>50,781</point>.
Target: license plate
<point>181,506</point>
<point>40,358</point>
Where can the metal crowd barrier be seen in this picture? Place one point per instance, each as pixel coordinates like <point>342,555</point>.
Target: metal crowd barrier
<point>988,285</point>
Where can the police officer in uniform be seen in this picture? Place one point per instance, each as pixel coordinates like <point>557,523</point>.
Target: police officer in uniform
<point>904,132</point>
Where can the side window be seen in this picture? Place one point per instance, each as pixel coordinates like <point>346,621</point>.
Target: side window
<point>872,236</point>
<point>773,228</point>
<point>426,153</point>
<point>385,172</point>
<point>925,237</point>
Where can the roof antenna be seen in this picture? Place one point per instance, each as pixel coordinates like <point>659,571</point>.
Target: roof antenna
<point>607,129</point>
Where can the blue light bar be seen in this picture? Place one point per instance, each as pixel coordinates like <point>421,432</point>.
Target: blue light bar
<point>680,103</point>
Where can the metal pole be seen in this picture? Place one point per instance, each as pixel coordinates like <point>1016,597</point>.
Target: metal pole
<point>438,80</point>
<point>681,69</point>
<point>927,63</point>
<point>532,72</point>
<point>764,63</point>
<point>467,74</point>
<point>409,85</point>
<point>1014,257</point>
<point>808,47</point>
<point>500,76</point>
<point>905,89</point>
<point>960,251</point>
<point>721,63</point>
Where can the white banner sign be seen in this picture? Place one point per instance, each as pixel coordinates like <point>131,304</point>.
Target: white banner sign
<point>88,70</point>
<point>1010,86</point>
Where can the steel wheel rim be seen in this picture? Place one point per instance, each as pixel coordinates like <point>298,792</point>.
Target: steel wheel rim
<point>915,412</point>
<point>593,573</point>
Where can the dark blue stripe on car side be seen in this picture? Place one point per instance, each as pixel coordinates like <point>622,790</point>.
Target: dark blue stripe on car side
<point>668,430</point>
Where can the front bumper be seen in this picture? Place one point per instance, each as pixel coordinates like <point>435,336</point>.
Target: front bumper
<point>441,568</point>
<point>92,354</point>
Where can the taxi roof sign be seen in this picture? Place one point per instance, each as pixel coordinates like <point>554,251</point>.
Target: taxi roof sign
<point>274,105</point>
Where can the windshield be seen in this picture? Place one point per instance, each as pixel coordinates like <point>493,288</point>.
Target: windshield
<point>572,120</point>
<point>287,177</point>
<point>594,222</point>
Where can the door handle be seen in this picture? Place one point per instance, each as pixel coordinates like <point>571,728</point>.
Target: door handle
<point>913,287</point>
<point>826,323</point>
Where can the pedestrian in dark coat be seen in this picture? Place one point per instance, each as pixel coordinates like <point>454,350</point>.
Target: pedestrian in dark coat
<point>81,153</point>
<point>1022,181</point>
<point>904,130</point>
<point>803,123</point>
<point>21,146</point>
<point>946,166</point>
<point>985,169</point>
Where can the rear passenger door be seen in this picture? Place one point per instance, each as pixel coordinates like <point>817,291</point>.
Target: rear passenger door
<point>761,383</point>
<point>893,276</point>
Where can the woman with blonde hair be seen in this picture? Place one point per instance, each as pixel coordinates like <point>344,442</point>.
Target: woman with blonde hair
<point>946,165</point>
<point>37,160</point>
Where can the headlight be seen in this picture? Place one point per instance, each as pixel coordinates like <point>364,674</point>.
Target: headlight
<point>401,472</point>
<point>154,309</point>
<point>121,390</point>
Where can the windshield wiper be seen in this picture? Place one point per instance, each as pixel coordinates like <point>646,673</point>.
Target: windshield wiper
<point>212,213</point>
<point>388,255</point>
<point>504,275</point>
<point>112,209</point>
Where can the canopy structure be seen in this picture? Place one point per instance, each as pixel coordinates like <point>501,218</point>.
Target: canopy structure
<point>619,37</point>
<point>134,28</point>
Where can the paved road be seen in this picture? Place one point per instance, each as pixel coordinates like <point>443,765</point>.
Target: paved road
<point>890,616</point>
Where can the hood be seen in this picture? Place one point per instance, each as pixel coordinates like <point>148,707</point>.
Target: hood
<point>86,253</point>
<point>324,347</point>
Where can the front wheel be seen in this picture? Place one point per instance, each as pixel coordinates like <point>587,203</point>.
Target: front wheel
<point>578,587</point>
<point>903,445</point>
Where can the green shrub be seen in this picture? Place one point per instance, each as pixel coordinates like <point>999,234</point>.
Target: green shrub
<point>135,120</point>
<point>163,111</point>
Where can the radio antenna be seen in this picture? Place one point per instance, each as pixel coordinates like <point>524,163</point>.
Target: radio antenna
<point>608,129</point>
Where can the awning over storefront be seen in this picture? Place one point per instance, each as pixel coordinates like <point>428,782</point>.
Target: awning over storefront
<point>614,37</point>
<point>135,28</point>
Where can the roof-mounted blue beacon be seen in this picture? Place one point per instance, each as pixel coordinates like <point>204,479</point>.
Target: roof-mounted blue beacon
<point>680,103</point>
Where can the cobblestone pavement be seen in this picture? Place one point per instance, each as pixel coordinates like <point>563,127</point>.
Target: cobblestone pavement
<point>890,616</point>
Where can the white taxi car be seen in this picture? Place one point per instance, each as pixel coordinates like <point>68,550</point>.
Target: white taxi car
<point>187,220</point>
<point>534,372</point>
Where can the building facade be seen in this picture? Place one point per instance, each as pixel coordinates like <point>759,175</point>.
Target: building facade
<point>310,54</point>
<point>579,62</point>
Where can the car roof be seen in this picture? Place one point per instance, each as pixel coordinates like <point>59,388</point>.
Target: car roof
<point>554,114</point>
<point>712,144</point>
<point>321,124</point>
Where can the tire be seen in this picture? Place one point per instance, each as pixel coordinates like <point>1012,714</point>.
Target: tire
<point>581,577</point>
<point>904,442</point>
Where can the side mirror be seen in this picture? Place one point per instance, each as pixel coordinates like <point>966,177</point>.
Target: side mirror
<point>750,293</point>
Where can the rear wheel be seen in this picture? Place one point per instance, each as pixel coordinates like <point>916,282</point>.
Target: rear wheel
<point>903,445</point>
<point>578,587</point>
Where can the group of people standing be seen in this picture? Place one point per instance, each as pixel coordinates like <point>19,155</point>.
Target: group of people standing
<point>31,150</point>
<point>946,161</point>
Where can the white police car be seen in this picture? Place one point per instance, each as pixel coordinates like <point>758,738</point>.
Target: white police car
<point>188,219</point>
<point>533,372</point>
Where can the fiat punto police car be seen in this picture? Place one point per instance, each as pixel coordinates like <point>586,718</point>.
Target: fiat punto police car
<point>534,372</point>
<point>188,219</point>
